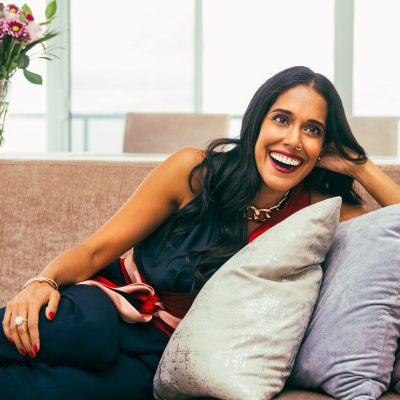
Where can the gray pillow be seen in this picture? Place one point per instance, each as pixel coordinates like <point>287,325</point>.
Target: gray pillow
<point>349,347</point>
<point>395,384</point>
<point>240,337</point>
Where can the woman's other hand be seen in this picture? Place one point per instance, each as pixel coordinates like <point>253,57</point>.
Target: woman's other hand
<point>332,160</point>
<point>379,185</point>
<point>27,305</point>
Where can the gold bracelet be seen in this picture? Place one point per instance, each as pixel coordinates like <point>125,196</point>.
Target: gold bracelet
<point>50,281</point>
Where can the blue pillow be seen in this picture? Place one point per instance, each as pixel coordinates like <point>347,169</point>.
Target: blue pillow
<point>349,348</point>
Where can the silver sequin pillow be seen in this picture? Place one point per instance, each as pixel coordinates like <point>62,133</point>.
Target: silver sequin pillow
<point>241,335</point>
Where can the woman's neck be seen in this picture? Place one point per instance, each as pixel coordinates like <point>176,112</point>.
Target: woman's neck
<point>266,198</point>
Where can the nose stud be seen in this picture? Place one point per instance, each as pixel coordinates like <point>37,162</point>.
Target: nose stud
<point>299,147</point>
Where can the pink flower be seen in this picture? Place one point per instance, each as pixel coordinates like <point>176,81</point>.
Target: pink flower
<point>34,30</point>
<point>17,29</point>
<point>29,17</point>
<point>12,8</point>
<point>3,28</point>
<point>11,12</point>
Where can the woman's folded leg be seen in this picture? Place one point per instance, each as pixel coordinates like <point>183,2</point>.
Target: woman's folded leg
<point>83,334</point>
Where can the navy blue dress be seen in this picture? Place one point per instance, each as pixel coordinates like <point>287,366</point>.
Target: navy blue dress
<point>87,351</point>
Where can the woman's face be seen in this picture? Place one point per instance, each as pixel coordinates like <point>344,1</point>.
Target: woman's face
<point>296,119</point>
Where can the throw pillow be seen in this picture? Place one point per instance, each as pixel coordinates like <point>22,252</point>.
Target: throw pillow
<point>395,383</point>
<point>349,347</point>
<point>240,337</point>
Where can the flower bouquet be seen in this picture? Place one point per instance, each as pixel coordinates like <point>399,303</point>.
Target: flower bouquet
<point>19,34</point>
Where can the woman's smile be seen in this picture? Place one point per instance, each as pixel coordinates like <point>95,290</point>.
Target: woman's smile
<point>285,162</point>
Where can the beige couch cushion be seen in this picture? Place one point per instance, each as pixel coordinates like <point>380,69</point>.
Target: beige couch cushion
<point>48,206</point>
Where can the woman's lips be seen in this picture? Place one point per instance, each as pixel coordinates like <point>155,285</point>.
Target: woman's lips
<point>280,168</point>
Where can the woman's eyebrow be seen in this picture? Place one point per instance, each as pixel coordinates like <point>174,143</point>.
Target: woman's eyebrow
<point>283,111</point>
<point>314,121</point>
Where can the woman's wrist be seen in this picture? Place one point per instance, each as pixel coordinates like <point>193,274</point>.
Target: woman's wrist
<point>379,185</point>
<point>363,172</point>
<point>41,279</point>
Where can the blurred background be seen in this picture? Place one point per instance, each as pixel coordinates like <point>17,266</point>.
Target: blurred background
<point>200,56</point>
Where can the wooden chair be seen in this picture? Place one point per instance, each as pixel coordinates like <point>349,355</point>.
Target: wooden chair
<point>167,132</point>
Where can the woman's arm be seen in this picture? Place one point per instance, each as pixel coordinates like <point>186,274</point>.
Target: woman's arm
<point>161,193</point>
<point>380,186</point>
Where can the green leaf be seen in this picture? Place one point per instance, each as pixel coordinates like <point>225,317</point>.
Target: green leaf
<point>23,61</point>
<point>25,8</point>
<point>48,35</point>
<point>51,9</point>
<point>51,56</point>
<point>4,71</point>
<point>46,22</point>
<point>13,64</point>
<point>23,19</point>
<point>32,77</point>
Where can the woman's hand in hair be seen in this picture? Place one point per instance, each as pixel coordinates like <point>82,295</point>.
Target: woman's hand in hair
<point>379,185</point>
<point>332,160</point>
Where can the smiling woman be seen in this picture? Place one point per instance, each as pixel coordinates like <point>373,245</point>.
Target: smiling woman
<point>106,335</point>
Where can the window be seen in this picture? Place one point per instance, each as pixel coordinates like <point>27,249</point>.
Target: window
<point>376,58</point>
<point>134,56</point>
<point>247,42</point>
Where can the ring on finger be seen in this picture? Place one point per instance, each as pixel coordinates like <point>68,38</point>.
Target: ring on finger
<point>19,320</point>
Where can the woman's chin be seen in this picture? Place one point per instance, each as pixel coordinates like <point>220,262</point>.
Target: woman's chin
<point>282,184</point>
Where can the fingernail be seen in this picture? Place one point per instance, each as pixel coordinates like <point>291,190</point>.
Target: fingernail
<point>31,354</point>
<point>10,340</point>
<point>51,315</point>
<point>35,348</point>
<point>22,352</point>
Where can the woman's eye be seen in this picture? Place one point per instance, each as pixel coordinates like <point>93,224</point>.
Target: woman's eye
<point>280,119</point>
<point>313,130</point>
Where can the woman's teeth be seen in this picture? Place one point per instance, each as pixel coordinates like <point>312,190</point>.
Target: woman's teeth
<point>285,160</point>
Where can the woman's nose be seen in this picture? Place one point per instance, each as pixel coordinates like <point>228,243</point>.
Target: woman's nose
<point>293,136</point>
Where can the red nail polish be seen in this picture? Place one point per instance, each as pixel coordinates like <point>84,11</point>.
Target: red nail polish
<point>31,354</point>
<point>22,352</point>
<point>51,315</point>
<point>35,348</point>
<point>10,340</point>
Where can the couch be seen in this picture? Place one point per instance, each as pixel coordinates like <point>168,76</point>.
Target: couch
<point>47,205</point>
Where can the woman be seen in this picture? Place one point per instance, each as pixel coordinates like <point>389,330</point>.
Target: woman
<point>187,218</point>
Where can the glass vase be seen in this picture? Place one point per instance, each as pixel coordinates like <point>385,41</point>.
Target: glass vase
<point>4,88</point>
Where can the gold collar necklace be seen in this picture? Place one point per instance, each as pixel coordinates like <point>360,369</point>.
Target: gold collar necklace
<point>262,214</point>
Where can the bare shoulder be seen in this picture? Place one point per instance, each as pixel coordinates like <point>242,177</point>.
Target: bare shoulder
<point>182,163</point>
<point>159,195</point>
<point>347,211</point>
<point>188,157</point>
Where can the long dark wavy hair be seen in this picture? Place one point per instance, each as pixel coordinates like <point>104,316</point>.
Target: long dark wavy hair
<point>230,179</point>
